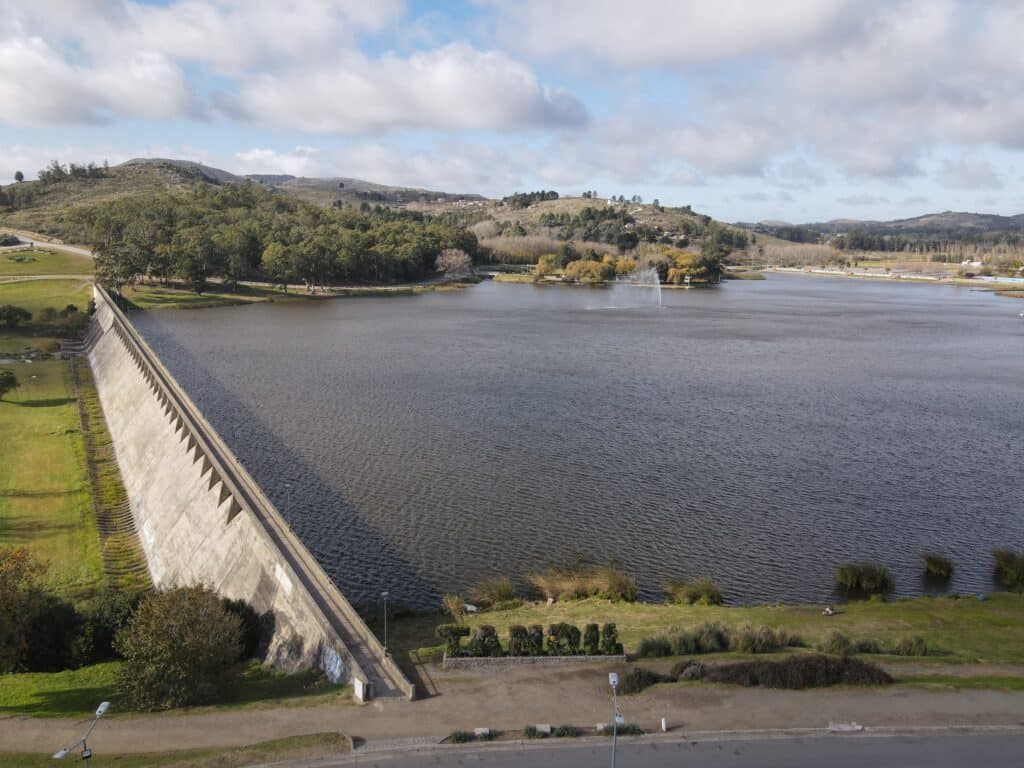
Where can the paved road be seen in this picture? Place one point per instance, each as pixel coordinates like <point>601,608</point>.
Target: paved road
<point>31,237</point>
<point>861,751</point>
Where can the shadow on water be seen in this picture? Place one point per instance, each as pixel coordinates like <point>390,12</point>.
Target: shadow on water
<point>358,557</point>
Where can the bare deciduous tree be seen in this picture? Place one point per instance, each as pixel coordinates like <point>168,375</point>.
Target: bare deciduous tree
<point>454,263</point>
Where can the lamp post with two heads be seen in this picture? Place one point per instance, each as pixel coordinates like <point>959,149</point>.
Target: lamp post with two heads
<point>60,754</point>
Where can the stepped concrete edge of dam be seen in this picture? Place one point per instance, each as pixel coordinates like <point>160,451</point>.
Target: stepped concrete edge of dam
<point>201,518</point>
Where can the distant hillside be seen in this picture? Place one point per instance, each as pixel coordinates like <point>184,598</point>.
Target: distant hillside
<point>39,206</point>
<point>348,190</point>
<point>519,228</point>
<point>934,224</point>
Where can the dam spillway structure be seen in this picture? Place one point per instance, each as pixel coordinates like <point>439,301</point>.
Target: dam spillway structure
<point>201,518</point>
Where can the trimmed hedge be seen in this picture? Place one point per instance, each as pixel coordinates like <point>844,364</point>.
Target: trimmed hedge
<point>562,640</point>
<point>798,672</point>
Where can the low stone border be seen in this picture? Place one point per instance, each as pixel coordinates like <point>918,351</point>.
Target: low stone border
<point>504,662</point>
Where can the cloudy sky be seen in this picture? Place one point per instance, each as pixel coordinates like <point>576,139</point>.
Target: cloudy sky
<point>800,110</point>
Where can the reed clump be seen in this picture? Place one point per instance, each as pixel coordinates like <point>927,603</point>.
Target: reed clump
<point>581,580</point>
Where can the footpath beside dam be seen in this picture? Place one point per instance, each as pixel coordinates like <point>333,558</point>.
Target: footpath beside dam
<point>202,518</point>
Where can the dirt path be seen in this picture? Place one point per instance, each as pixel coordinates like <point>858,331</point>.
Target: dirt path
<point>510,700</point>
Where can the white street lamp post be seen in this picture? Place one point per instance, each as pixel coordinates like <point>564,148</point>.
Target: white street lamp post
<point>613,681</point>
<point>384,597</point>
<point>60,754</point>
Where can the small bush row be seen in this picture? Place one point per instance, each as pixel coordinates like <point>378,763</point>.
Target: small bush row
<point>713,637</point>
<point>560,640</point>
<point>793,672</point>
<point>558,732</point>
<point>838,644</point>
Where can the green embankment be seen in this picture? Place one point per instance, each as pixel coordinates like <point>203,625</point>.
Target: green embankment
<point>308,747</point>
<point>76,692</point>
<point>149,296</point>
<point>35,295</point>
<point>964,630</point>
<point>45,501</point>
<point>44,263</point>
<point>123,559</point>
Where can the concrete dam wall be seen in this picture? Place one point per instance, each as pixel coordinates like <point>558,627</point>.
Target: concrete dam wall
<point>202,518</point>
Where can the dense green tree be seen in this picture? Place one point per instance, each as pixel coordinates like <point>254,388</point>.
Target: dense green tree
<point>179,648</point>
<point>20,598</point>
<point>19,176</point>
<point>12,316</point>
<point>8,382</point>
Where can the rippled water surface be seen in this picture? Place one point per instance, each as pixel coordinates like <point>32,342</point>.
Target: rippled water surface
<point>758,433</point>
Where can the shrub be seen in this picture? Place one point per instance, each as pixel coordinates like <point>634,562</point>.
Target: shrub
<point>937,566</point>
<point>12,316</point>
<point>865,578</point>
<point>1009,568</point>
<point>591,640</point>
<point>581,580</point>
<point>801,671</point>
<point>567,731</point>
<point>535,634</point>
<point>711,638</point>
<point>531,732</point>
<point>484,642</point>
<point>910,646</point>
<point>836,643</point>
<point>654,647</point>
<point>687,670</point>
<point>252,632</point>
<point>610,645</point>
<point>495,589</point>
<point>748,639</point>
<point>563,640</point>
<point>47,315</point>
<point>684,642</point>
<point>180,648</point>
<point>51,635</point>
<point>637,679</point>
<point>454,606</point>
<point>523,642</point>
<point>461,737</point>
<point>451,634</point>
<point>697,592</point>
<point>867,646</point>
<point>626,729</point>
<point>20,598</point>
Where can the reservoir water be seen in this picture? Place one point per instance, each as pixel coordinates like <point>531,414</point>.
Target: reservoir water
<point>759,433</point>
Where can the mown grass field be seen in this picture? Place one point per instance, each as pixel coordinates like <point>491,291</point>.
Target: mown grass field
<point>76,692</point>
<point>35,295</point>
<point>45,501</point>
<point>956,630</point>
<point>307,747</point>
<point>151,296</point>
<point>44,263</point>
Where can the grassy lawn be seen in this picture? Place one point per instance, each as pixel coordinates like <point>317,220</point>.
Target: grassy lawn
<point>308,747</point>
<point>34,295</point>
<point>44,263</point>
<point>44,490</point>
<point>151,296</point>
<point>957,631</point>
<point>77,692</point>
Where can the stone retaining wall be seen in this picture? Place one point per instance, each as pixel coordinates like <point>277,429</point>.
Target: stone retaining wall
<point>480,663</point>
